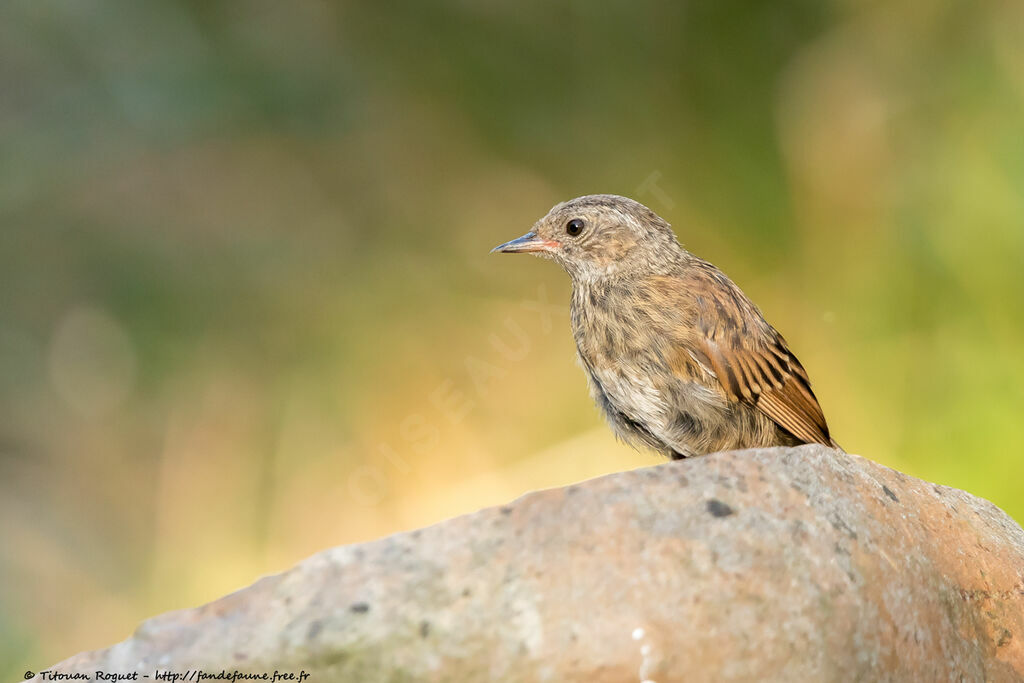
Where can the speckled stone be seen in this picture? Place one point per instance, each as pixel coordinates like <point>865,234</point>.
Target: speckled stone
<point>798,564</point>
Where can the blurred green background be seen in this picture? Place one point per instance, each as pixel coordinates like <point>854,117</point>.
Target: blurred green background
<point>247,310</point>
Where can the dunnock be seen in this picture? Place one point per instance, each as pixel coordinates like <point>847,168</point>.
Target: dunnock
<point>678,358</point>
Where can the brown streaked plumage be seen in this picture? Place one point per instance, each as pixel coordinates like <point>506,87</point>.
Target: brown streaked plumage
<point>677,356</point>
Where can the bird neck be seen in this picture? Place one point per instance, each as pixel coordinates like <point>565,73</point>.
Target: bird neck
<point>638,265</point>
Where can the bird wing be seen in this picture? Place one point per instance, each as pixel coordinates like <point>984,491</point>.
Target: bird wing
<point>771,379</point>
<point>750,359</point>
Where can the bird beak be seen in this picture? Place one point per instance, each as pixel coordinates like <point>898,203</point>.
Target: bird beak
<point>527,243</point>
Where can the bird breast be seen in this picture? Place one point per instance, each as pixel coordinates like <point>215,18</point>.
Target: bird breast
<point>623,349</point>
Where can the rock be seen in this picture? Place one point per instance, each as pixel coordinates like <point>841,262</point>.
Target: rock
<point>777,564</point>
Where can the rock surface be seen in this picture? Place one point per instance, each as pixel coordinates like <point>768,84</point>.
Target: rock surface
<point>780,564</point>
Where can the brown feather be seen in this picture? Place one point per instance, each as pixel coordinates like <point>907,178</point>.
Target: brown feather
<point>792,405</point>
<point>755,367</point>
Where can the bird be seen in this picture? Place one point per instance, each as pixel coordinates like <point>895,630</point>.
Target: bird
<point>677,357</point>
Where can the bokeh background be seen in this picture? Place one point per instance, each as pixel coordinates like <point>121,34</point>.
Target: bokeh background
<point>247,310</point>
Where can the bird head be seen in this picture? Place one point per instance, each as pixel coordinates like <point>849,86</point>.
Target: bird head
<point>599,235</point>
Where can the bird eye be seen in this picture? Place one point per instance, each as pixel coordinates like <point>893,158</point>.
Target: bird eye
<point>574,227</point>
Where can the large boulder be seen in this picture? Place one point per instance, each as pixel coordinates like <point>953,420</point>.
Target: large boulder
<point>788,564</point>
